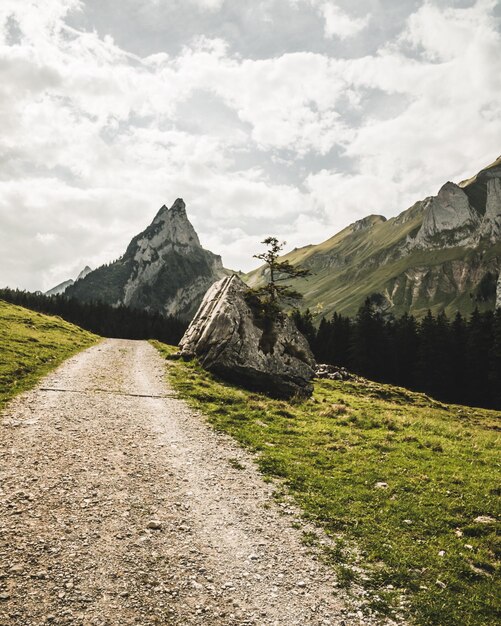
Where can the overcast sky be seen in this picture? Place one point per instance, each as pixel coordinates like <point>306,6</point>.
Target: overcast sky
<point>284,117</point>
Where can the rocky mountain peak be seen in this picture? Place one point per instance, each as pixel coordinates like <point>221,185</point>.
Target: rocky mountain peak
<point>164,268</point>
<point>170,227</point>
<point>449,219</point>
<point>179,206</point>
<point>368,222</point>
<point>86,270</point>
<point>61,288</point>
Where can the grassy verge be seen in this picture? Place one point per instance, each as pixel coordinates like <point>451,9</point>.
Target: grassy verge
<point>31,344</point>
<point>408,488</point>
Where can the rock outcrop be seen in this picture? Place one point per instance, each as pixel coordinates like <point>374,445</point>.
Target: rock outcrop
<point>449,220</point>
<point>232,343</point>
<point>333,372</point>
<point>164,269</point>
<point>491,223</point>
<point>367,222</point>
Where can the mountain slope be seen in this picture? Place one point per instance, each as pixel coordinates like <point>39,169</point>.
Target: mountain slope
<point>443,253</point>
<point>164,269</point>
<point>31,344</point>
<point>61,288</point>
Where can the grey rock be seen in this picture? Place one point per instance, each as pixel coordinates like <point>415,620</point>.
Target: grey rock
<point>333,372</point>
<point>491,223</point>
<point>230,342</point>
<point>154,524</point>
<point>485,519</point>
<point>449,220</point>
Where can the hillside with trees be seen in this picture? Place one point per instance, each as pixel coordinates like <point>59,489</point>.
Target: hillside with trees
<point>121,322</point>
<point>453,360</point>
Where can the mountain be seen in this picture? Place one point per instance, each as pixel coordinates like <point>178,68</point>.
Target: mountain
<point>86,270</point>
<point>61,288</point>
<point>164,269</point>
<point>443,253</point>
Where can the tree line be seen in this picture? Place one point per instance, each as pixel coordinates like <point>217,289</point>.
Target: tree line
<point>453,360</point>
<point>105,320</point>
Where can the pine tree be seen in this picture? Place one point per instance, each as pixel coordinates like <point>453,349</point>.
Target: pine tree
<point>367,343</point>
<point>405,350</point>
<point>273,296</point>
<point>477,357</point>
<point>304,323</point>
<point>495,362</point>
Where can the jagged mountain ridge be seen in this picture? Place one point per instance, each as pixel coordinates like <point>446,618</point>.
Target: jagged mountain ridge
<point>443,253</point>
<point>164,268</point>
<point>61,288</point>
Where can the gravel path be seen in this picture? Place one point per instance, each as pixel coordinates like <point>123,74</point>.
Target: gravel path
<point>119,506</point>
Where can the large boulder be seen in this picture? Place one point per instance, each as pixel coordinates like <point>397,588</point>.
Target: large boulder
<point>230,340</point>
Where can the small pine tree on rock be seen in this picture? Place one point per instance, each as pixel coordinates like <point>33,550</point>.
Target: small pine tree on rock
<point>272,297</point>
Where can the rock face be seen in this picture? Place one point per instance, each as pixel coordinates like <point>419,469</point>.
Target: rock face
<point>229,342</point>
<point>491,223</point>
<point>164,269</point>
<point>449,219</point>
<point>368,222</point>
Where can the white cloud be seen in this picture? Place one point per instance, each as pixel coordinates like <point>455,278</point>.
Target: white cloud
<point>444,34</point>
<point>208,5</point>
<point>340,24</point>
<point>450,125</point>
<point>95,139</point>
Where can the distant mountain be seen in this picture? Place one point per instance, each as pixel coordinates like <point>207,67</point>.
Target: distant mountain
<point>443,253</point>
<point>86,270</point>
<point>164,269</point>
<point>61,288</point>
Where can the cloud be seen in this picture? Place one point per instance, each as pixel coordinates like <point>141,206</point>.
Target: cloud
<point>444,34</point>
<point>448,127</point>
<point>340,24</point>
<point>298,144</point>
<point>349,198</point>
<point>208,5</point>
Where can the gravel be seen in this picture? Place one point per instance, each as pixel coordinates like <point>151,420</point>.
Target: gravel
<point>120,506</point>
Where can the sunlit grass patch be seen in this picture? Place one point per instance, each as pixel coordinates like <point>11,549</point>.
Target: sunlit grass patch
<point>31,344</point>
<point>396,479</point>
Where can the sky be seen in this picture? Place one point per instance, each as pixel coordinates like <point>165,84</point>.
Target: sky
<point>291,118</point>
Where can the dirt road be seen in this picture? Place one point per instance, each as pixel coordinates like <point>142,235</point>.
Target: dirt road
<point>120,506</point>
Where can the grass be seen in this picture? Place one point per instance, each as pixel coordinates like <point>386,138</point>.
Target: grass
<point>32,344</point>
<point>396,479</point>
<point>352,265</point>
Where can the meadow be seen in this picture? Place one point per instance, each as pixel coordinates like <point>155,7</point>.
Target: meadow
<point>32,344</point>
<point>406,488</point>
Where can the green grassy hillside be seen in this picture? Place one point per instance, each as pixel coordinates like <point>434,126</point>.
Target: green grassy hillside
<point>373,256</point>
<point>31,344</point>
<point>407,488</point>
